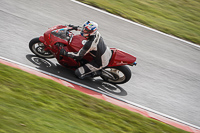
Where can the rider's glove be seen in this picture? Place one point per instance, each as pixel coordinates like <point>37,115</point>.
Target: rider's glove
<point>73,27</point>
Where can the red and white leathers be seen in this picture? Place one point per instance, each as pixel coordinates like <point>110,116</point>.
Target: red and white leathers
<point>101,53</point>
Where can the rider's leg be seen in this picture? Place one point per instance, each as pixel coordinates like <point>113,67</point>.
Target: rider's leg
<point>90,69</point>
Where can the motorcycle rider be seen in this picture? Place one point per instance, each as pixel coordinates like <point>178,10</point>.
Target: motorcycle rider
<point>95,46</point>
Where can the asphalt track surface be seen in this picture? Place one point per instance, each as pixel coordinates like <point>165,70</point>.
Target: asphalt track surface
<point>166,79</point>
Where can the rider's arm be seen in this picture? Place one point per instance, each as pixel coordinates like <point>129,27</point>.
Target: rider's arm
<point>83,51</point>
<point>77,55</point>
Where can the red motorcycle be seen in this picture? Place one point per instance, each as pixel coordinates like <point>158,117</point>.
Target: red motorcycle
<point>48,46</point>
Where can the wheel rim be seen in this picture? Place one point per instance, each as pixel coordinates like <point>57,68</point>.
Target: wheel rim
<point>117,75</point>
<point>38,49</point>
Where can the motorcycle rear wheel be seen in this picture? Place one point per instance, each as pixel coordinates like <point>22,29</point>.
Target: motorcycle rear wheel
<point>37,47</point>
<point>116,75</point>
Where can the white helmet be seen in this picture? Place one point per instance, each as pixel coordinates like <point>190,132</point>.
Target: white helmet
<point>89,28</point>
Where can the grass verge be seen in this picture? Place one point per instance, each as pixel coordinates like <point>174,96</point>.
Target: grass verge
<point>180,18</point>
<point>30,104</point>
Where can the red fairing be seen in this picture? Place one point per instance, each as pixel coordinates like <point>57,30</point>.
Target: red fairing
<point>48,38</point>
<point>76,43</point>
<point>42,39</point>
<point>51,39</point>
<point>120,58</point>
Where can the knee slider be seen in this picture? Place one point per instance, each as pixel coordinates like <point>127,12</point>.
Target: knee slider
<point>78,74</point>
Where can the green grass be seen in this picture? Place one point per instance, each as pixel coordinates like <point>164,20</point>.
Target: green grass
<point>30,104</point>
<point>180,18</point>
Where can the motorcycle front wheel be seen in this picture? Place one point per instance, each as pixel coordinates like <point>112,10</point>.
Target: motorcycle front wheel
<point>116,75</point>
<point>37,47</point>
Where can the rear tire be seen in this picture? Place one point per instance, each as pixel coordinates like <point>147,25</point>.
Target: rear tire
<point>37,47</point>
<point>120,74</point>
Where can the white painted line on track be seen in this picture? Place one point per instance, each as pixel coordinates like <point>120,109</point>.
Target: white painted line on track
<point>129,21</point>
<point>90,88</point>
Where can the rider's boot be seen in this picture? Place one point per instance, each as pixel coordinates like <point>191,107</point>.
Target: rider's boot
<point>93,74</point>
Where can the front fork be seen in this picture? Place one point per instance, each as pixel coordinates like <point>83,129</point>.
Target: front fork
<point>47,48</point>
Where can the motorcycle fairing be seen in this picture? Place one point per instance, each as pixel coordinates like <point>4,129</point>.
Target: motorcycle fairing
<point>120,58</point>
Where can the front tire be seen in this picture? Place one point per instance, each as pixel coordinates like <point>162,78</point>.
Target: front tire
<point>37,47</point>
<point>116,75</point>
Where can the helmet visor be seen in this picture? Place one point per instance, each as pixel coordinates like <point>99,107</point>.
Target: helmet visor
<point>85,32</point>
